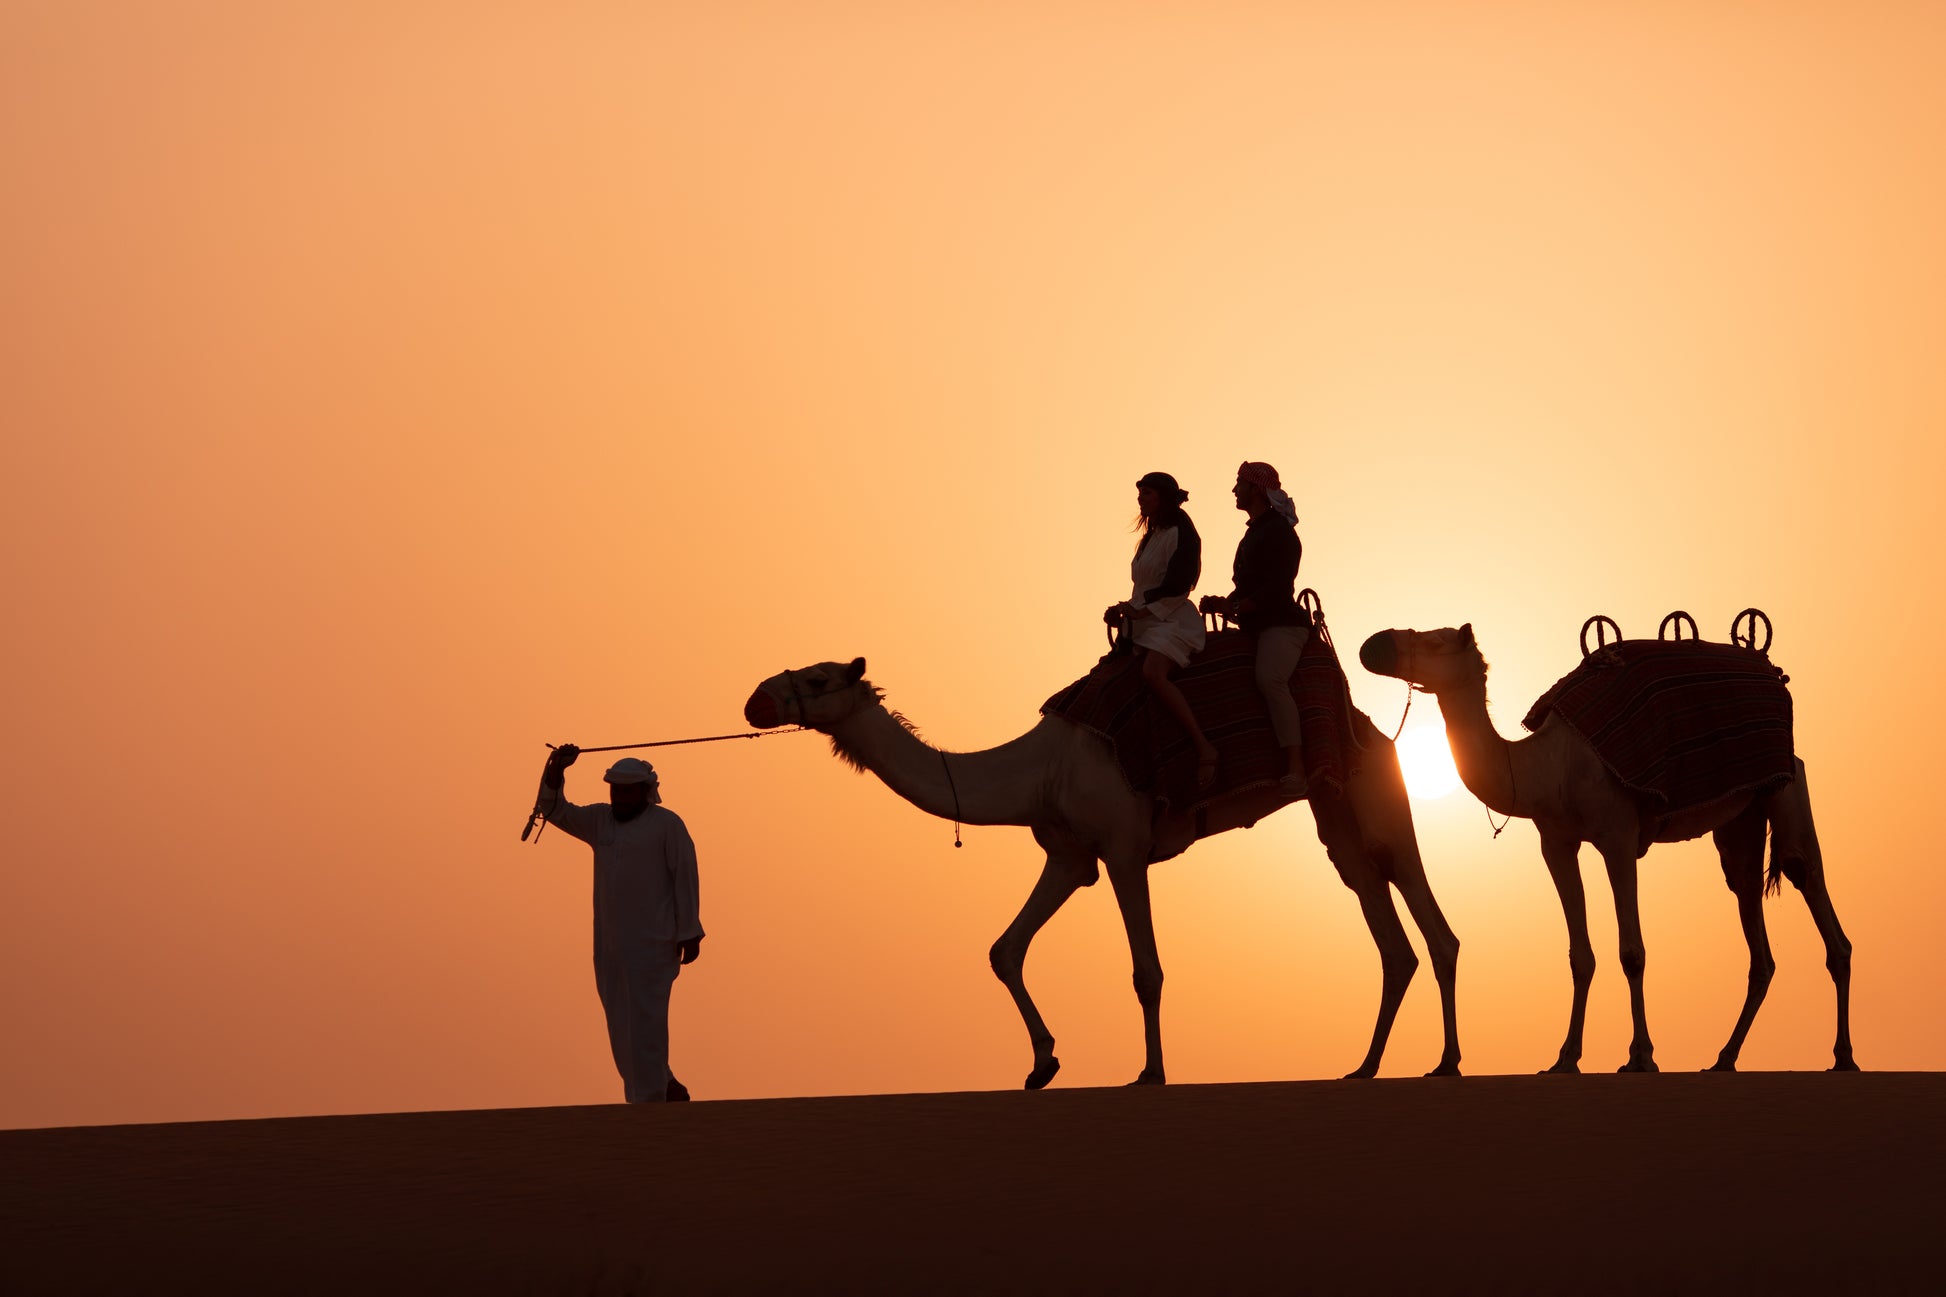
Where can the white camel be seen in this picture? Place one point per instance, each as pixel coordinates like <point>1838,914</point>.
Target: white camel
<point>1556,779</point>
<point>1062,782</point>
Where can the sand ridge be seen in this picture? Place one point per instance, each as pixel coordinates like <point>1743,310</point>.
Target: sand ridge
<point>1788,1181</point>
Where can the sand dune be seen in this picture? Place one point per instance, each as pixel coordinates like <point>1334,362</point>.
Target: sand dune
<point>1781,1181</point>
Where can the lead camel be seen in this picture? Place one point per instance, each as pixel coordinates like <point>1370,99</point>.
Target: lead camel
<point>1062,782</point>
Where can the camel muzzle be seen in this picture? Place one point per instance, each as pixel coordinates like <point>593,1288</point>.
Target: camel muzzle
<point>761,711</point>
<point>1380,654</point>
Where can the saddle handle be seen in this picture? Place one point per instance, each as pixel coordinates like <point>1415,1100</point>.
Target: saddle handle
<point>1311,605</point>
<point>1747,638</point>
<point>1671,628</point>
<point>1602,625</point>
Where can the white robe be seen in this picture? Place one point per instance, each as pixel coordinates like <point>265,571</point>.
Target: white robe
<point>1169,625</point>
<point>646,906</point>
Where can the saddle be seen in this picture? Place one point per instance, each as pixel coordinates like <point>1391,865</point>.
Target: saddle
<point>1680,723</point>
<point>1155,756</point>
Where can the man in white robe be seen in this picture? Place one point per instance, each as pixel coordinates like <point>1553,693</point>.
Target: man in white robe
<point>647,922</point>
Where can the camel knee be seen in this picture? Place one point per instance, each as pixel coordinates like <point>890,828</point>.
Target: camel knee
<point>1445,960</point>
<point>1399,965</point>
<point>1007,961</point>
<point>1581,963</point>
<point>1634,959</point>
<point>1148,985</point>
<point>1762,969</point>
<point>1837,958</point>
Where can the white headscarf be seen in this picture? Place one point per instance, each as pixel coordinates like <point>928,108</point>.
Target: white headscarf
<point>1283,504</point>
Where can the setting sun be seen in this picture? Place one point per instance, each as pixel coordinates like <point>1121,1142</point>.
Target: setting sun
<point>1428,764</point>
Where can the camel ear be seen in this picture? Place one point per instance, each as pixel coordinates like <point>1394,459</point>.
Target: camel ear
<point>1466,635</point>
<point>855,672</point>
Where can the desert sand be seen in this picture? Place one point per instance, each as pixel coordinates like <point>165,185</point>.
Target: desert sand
<point>1784,1182</point>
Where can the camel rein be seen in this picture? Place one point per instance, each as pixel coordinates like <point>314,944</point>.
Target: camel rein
<point>537,816</point>
<point>1513,785</point>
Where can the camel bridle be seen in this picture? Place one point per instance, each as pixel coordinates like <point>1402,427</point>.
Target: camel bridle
<point>797,697</point>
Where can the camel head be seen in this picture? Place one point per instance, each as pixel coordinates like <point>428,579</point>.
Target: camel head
<point>817,697</point>
<point>1432,659</point>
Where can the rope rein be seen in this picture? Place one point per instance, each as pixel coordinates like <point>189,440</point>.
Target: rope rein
<point>713,738</point>
<point>537,818</point>
<point>1407,712</point>
<point>1513,794</point>
<point>955,787</point>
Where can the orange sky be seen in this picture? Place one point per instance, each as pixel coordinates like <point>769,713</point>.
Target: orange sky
<point>391,388</point>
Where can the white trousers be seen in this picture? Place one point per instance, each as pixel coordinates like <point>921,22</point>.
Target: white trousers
<point>634,987</point>
<point>1278,649</point>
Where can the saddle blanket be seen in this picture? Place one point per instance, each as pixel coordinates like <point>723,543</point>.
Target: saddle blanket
<point>1154,752</point>
<point>1680,723</point>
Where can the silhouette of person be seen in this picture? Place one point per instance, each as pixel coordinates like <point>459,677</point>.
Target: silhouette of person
<point>1265,579</point>
<point>1165,627</point>
<point>647,922</point>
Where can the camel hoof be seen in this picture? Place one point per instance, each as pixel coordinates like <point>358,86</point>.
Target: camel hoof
<point>1362,1074</point>
<point>1723,1065</point>
<point>1563,1068</point>
<point>1149,1078</point>
<point>1844,1065</point>
<point>1043,1073</point>
<point>1645,1065</point>
<point>1445,1069</point>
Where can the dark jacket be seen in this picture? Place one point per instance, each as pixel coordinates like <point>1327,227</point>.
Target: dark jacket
<point>1266,573</point>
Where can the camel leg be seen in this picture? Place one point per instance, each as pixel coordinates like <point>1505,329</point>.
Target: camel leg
<point>1563,856</point>
<point>1387,815</point>
<point>1740,846</point>
<point>1128,874</point>
<point>1620,858</point>
<point>1395,958</point>
<point>1068,867</point>
<point>1795,854</point>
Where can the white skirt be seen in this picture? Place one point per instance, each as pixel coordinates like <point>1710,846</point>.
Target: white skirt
<point>1171,627</point>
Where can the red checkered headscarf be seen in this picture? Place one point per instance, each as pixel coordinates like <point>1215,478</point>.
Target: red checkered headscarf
<point>1264,477</point>
<point>1256,474</point>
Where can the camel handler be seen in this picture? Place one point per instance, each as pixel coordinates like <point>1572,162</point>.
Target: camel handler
<point>1263,601</point>
<point>646,912</point>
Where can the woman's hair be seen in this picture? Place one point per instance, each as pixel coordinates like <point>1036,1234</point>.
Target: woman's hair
<point>1169,515</point>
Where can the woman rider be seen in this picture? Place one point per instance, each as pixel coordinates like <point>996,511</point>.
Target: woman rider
<point>1164,625</point>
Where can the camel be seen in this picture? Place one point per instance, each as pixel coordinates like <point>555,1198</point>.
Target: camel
<point>1556,779</point>
<point>1062,782</point>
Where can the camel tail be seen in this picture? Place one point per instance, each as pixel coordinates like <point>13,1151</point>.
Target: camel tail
<point>1784,863</point>
<point>1793,842</point>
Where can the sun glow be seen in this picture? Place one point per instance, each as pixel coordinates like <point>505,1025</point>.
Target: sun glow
<point>1427,763</point>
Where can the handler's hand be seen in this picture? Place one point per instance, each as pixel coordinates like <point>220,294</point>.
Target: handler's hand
<point>563,756</point>
<point>692,950</point>
<point>1214,603</point>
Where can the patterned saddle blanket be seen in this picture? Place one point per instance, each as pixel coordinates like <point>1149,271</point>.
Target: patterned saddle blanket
<point>1220,683</point>
<point>1681,723</point>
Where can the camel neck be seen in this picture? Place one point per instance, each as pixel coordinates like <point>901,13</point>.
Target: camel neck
<point>995,786</point>
<point>1486,762</point>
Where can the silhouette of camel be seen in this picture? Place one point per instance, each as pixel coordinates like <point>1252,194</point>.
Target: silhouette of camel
<point>1062,782</point>
<point>1556,779</point>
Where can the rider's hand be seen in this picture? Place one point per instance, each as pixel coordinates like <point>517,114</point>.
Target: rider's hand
<point>692,950</point>
<point>1213,603</point>
<point>1115,613</point>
